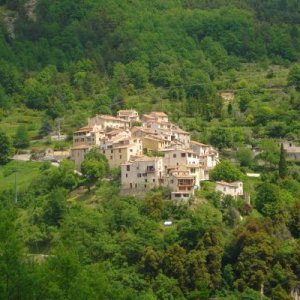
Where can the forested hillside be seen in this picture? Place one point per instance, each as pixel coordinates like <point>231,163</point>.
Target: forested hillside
<point>71,59</point>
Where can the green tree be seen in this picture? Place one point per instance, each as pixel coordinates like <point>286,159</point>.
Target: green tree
<point>282,165</point>
<point>15,281</point>
<point>294,76</point>
<point>5,148</point>
<point>257,250</point>
<point>94,167</point>
<point>245,156</point>
<point>45,129</point>
<point>138,73</point>
<point>173,262</point>
<point>225,171</point>
<point>4,100</point>
<point>55,207</point>
<point>220,138</point>
<point>150,262</point>
<point>154,205</point>
<point>21,139</point>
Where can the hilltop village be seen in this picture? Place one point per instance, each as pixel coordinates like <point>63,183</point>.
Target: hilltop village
<point>151,151</point>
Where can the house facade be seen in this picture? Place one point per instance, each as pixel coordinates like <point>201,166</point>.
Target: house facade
<point>119,152</point>
<point>129,115</point>
<point>87,136</point>
<point>78,153</point>
<point>233,189</point>
<point>292,150</point>
<point>104,122</point>
<point>142,173</point>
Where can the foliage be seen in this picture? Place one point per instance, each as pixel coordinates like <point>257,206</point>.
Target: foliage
<point>294,76</point>
<point>5,148</point>
<point>72,59</point>
<point>225,171</point>
<point>282,165</point>
<point>21,139</point>
<point>94,167</point>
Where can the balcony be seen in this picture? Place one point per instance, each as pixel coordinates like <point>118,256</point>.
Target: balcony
<point>185,187</point>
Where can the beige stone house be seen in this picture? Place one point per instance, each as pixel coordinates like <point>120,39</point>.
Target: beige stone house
<point>155,143</point>
<point>142,173</point>
<point>129,115</point>
<point>292,150</point>
<point>78,153</point>
<point>181,183</point>
<point>208,156</point>
<point>176,158</point>
<point>104,122</point>
<point>233,189</point>
<point>156,116</point>
<point>87,136</point>
<point>119,152</point>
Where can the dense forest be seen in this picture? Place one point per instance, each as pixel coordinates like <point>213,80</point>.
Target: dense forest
<point>70,59</point>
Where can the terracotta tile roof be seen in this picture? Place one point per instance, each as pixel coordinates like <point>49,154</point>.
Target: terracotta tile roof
<point>84,129</point>
<point>110,118</point>
<point>200,144</point>
<point>158,113</point>
<point>127,112</point>
<point>79,147</point>
<point>231,184</point>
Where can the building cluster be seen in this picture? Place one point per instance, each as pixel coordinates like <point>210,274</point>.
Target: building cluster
<point>151,152</point>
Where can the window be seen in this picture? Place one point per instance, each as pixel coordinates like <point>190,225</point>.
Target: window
<point>145,185</point>
<point>174,155</point>
<point>146,180</point>
<point>103,151</point>
<point>177,195</point>
<point>154,180</point>
<point>111,157</point>
<point>119,150</point>
<point>128,168</point>
<point>193,170</point>
<point>120,156</point>
<point>111,151</point>
<point>139,175</point>
<point>130,150</point>
<point>224,189</point>
<point>182,154</point>
<point>126,175</point>
<point>172,181</point>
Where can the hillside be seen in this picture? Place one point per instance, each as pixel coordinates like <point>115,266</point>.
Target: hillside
<point>227,71</point>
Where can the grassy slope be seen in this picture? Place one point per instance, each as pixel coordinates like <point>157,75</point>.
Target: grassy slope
<point>31,119</point>
<point>26,173</point>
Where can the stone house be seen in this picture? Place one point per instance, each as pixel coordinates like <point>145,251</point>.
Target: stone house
<point>142,173</point>
<point>233,189</point>
<point>292,150</point>
<point>209,157</point>
<point>104,122</point>
<point>155,143</point>
<point>129,115</point>
<point>119,152</point>
<point>78,153</point>
<point>176,158</point>
<point>87,136</point>
<point>181,184</point>
<point>155,116</point>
